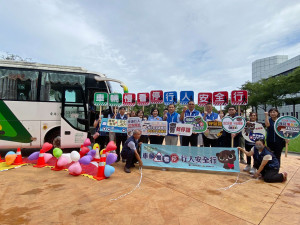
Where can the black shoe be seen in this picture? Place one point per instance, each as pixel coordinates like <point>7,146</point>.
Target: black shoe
<point>117,160</point>
<point>123,160</point>
<point>132,165</point>
<point>127,170</point>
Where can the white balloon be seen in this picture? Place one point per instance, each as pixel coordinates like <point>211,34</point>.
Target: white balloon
<point>75,156</point>
<point>67,156</point>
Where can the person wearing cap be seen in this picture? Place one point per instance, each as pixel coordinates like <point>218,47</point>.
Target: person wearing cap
<point>130,151</point>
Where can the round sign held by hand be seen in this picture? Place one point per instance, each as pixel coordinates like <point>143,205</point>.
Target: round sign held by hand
<point>287,127</point>
<point>233,125</point>
<point>253,131</point>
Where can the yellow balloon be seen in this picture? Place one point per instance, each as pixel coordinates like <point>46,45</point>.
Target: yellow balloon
<point>96,145</point>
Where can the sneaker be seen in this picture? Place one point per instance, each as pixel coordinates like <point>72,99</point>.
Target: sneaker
<point>252,170</point>
<point>127,170</point>
<point>284,176</point>
<point>247,168</point>
<point>243,161</point>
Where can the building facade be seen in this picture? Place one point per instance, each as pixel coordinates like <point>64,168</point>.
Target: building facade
<point>274,66</point>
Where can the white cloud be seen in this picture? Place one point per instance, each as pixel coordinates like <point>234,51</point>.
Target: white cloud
<point>168,45</point>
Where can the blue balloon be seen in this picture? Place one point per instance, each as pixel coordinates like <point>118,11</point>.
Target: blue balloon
<point>90,147</point>
<point>10,153</point>
<point>108,171</point>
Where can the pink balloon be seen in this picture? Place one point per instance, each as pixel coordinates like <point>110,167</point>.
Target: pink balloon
<point>62,161</point>
<point>47,157</point>
<point>111,158</point>
<point>87,142</point>
<point>75,168</point>
<point>34,156</point>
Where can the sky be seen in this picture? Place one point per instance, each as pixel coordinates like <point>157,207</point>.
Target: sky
<point>170,45</point>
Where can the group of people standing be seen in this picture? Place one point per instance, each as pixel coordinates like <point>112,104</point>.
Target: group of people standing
<point>131,145</point>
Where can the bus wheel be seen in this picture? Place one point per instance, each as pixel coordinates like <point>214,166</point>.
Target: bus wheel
<point>52,134</point>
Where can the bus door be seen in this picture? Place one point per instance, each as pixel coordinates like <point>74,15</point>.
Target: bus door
<point>74,122</point>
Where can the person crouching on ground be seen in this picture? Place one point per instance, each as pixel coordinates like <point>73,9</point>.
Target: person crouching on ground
<point>265,162</point>
<point>130,151</point>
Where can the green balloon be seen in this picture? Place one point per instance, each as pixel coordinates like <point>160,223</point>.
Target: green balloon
<point>57,152</point>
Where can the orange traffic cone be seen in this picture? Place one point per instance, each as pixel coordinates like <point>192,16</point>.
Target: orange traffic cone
<point>101,166</point>
<point>1,160</point>
<point>18,160</point>
<point>41,161</point>
<point>57,168</point>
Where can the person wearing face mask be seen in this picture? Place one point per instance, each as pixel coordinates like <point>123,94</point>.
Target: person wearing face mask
<point>265,162</point>
<point>249,145</point>
<point>274,142</point>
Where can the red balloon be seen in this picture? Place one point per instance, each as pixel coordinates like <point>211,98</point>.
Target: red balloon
<point>46,147</point>
<point>83,151</point>
<point>111,146</point>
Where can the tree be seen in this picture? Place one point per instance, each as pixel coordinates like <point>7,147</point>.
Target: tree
<point>14,57</point>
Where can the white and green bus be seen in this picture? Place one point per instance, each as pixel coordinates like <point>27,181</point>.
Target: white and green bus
<point>39,102</point>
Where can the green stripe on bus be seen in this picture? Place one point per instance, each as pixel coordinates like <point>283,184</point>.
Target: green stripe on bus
<point>11,129</point>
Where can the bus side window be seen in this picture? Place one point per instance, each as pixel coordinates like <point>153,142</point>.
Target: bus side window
<point>52,83</point>
<point>18,84</point>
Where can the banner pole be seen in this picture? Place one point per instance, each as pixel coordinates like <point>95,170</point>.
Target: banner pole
<point>239,110</point>
<point>286,148</point>
<point>100,111</point>
<point>232,140</point>
<point>143,108</point>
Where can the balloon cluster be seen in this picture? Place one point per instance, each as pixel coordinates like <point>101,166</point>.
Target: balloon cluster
<point>85,156</point>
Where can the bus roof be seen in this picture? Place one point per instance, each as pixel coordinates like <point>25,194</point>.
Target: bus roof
<point>33,65</point>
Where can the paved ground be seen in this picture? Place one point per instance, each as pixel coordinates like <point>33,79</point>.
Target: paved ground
<point>40,196</point>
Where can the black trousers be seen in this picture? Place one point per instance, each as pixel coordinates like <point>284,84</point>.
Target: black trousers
<point>187,140</point>
<point>120,139</point>
<point>270,175</point>
<point>158,140</point>
<point>248,149</point>
<point>129,155</point>
<point>102,141</point>
<point>207,142</point>
<point>276,148</point>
